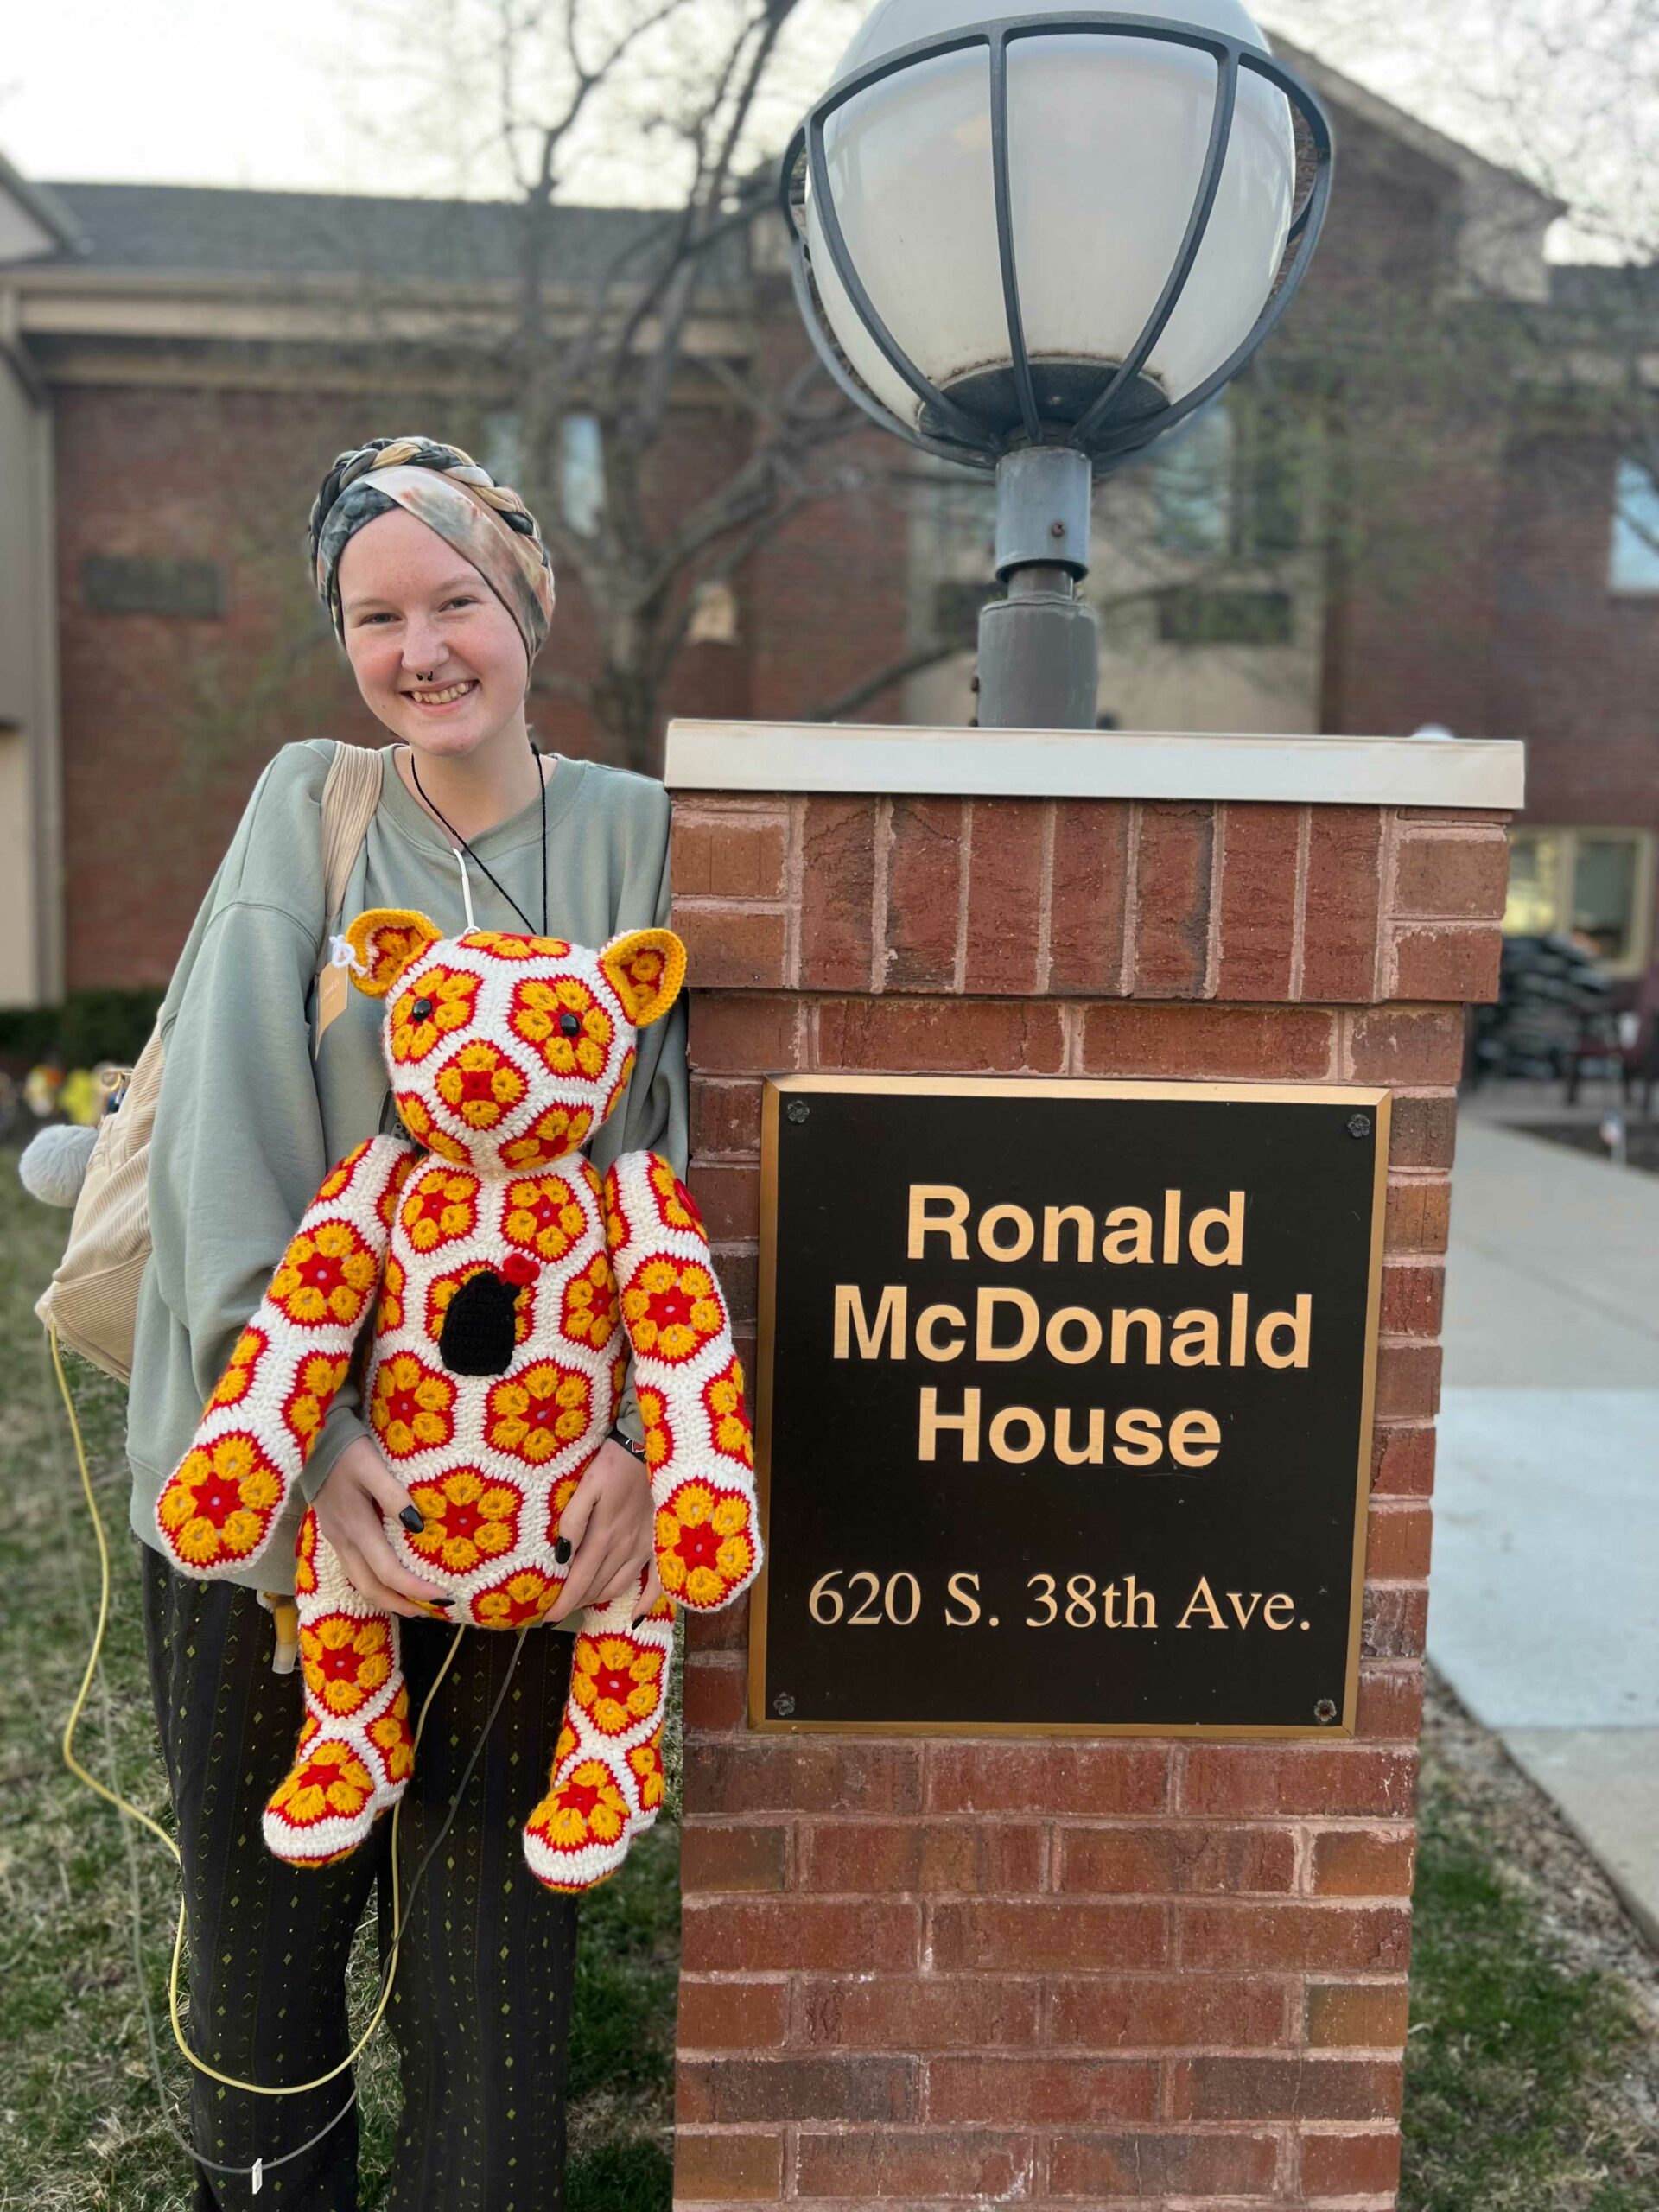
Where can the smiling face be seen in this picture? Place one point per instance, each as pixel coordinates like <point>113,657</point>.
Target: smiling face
<point>437,658</point>
<point>505,1052</point>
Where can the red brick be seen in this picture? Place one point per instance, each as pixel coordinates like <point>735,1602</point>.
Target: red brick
<point>1407,1380</point>
<point>1171,1857</point>
<point>727,855</point>
<point>1041,2089</point>
<point>1417,1216</point>
<point>1086,899</point>
<point>783,1935</point>
<point>1259,850</point>
<point>1284,2088</point>
<point>1395,1621</point>
<point>837,894</point>
<point>916,2167</point>
<point>1174,847</point>
<point>1152,2168</point>
<point>1390,1704</point>
<point>1291,1778</point>
<point>1452,878</point>
<point>1402,1461</point>
<point>1422,1130</point>
<point>722,1632</point>
<point>1142,2012</point>
<point>867,2086</point>
<point>1453,961</point>
<point>1397,1543</point>
<point>1247,1043</point>
<point>739,1278</point>
<point>1359,1938</point>
<point>1035,1936</point>
<point>716,1695</point>
<point>727,2168</point>
<point>875,1857</point>
<point>724,1117</point>
<point>924,856</point>
<point>732,948</point>
<point>1364,2015</point>
<point>805,1775</point>
<point>1362,1862</point>
<point>746,1036</point>
<point>1410,1044</point>
<point>722,1856</point>
<point>996,1036</point>
<point>1351,2165</point>
<point>728,1197</point>
<point>1341,901</point>
<point>733,2015</point>
<point>1005,895</point>
<point>1413,1298</point>
<point>1014,1777</point>
<point>919,2012</point>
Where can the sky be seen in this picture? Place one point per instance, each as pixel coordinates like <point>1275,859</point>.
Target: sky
<point>328,94</point>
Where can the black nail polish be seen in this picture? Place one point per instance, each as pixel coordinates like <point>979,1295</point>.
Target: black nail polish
<point>561,1550</point>
<point>439,1601</point>
<point>410,1517</point>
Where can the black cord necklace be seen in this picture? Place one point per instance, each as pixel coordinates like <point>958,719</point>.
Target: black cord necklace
<point>535,752</point>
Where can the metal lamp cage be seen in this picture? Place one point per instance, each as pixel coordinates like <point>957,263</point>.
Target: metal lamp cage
<point>1105,431</point>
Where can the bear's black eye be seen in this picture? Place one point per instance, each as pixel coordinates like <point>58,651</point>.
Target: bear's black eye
<point>570,1025</point>
<point>422,1009</point>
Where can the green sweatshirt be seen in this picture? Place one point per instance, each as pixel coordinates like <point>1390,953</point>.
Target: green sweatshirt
<point>248,1122</point>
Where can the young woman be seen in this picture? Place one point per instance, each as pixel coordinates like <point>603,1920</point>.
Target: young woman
<point>441,592</point>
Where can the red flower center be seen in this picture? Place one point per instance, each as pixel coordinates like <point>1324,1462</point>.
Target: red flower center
<point>582,1797</point>
<point>698,1546</point>
<point>218,1498</point>
<point>670,1307</point>
<point>613,1682</point>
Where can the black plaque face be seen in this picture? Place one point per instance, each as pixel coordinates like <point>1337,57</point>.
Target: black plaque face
<point>1132,1498</point>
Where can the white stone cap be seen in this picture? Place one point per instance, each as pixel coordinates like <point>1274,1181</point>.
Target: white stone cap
<point>1483,773</point>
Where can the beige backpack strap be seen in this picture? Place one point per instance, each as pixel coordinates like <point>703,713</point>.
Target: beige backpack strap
<point>350,796</point>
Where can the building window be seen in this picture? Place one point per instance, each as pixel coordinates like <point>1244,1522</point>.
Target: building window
<point>1633,559</point>
<point>582,473</point>
<point>1189,616</point>
<point>1230,485</point>
<point>1595,885</point>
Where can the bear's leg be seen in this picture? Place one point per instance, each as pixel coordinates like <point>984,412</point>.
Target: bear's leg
<point>355,1749</point>
<point>606,1781</point>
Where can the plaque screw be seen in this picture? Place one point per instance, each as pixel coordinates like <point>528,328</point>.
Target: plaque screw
<point>1359,1125</point>
<point>783,1705</point>
<point>798,1109</point>
<point>1325,1711</point>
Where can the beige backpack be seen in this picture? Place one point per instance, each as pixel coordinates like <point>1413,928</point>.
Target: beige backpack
<point>92,1299</point>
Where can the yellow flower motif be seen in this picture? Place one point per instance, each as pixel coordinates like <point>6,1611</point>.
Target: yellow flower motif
<point>337,1178</point>
<point>480,1085</point>
<point>559,1131</point>
<point>586,1807</point>
<point>319,1378</point>
<point>411,1408</point>
<point>305,1567</point>
<point>327,1273</point>
<point>536,1414</point>
<point>704,1547</point>
<point>218,1505</point>
<point>391,1315</point>
<point>515,948</point>
<point>333,1780</point>
<point>728,1415</point>
<point>590,1304</point>
<point>654,1415</point>
<point>671,1308</point>
<point>449,992</point>
<point>672,1197</point>
<point>468,1519</point>
<point>441,1207</point>
<point>537,1004</point>
<point>390,1733</point>
<point>345,1660</point>
<point>544,1214</point>
<point>232,1385</point>
<point>616,1682</point>
<point>646,1760</point>
<point>524,1597</point>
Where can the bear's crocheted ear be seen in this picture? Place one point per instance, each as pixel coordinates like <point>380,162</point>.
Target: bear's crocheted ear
<point>647,968</point>
<point>386,939</point>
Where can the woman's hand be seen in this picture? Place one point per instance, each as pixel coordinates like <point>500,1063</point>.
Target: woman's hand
<point>609,1525</point>
<point>360,1488</point>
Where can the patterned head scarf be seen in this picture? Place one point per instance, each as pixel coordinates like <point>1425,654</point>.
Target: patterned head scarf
<point>487,523</point>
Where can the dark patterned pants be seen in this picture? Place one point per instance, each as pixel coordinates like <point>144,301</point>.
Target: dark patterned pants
<point>481,2008</point>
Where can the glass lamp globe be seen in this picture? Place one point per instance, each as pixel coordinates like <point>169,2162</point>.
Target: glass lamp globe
<point>1106,140</point>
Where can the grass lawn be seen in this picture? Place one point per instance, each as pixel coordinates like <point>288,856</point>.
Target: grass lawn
<point>1531,2082</point>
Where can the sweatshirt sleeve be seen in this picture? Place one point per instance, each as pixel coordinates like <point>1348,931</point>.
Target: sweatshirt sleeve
<point>237,1149</point>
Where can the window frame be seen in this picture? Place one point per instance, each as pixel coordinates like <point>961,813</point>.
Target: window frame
<point>1569,837</point>
<point>1621,530</point>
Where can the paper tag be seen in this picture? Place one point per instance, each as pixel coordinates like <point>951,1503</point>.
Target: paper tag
<point>332,988</point>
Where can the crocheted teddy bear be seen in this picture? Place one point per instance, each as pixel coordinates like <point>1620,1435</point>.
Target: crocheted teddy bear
<point>506,1281</point>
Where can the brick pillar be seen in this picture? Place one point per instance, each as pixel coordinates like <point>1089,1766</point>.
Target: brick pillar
<point>1132,1971</point>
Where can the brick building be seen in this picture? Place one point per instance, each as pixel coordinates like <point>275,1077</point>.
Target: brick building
<point>1398,519</point>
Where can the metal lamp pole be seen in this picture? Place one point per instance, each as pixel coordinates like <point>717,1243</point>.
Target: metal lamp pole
<point>1039,648</point>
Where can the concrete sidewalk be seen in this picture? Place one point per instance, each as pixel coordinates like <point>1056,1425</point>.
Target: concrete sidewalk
<point>1544,1605</point>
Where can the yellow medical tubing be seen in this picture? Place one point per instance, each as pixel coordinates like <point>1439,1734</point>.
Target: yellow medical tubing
<point>256,2088</point>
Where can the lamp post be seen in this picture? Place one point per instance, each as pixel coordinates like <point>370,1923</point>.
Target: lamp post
<point>1036,244</point>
